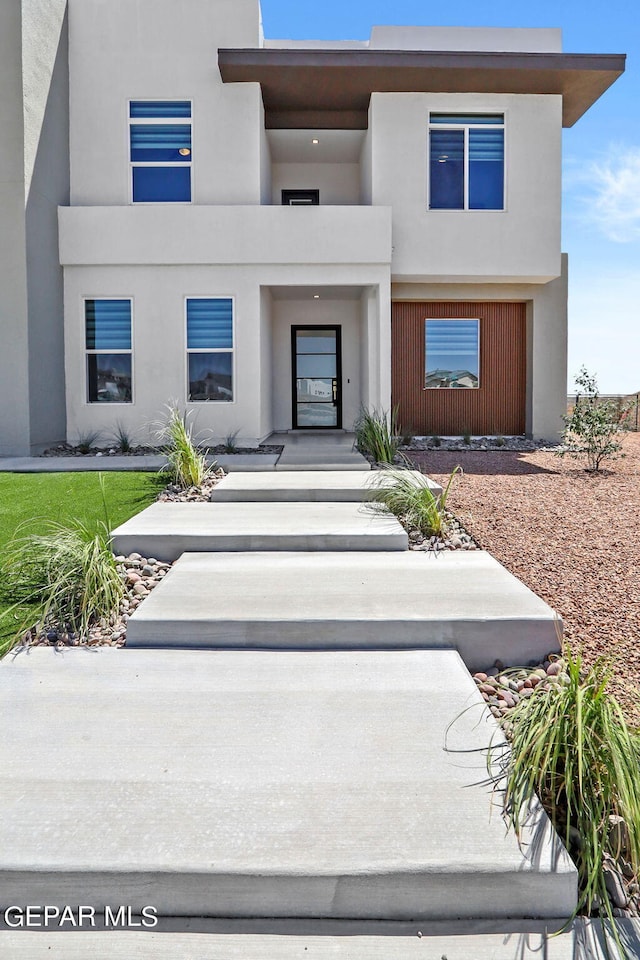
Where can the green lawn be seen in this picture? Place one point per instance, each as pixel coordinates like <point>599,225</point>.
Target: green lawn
<point>64,496</point>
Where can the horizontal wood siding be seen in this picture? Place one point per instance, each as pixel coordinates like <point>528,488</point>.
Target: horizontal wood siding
<point>497,406</point>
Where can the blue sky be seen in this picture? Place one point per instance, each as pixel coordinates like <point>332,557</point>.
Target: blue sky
<point>601,197</point>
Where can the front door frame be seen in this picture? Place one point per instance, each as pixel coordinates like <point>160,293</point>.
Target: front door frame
<point>337,328</point>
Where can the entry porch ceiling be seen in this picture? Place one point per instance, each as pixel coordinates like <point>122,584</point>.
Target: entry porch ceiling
<point>320,291</point>
<point>324,89</point>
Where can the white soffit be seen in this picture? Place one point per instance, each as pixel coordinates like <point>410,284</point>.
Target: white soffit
<point>333,146</point>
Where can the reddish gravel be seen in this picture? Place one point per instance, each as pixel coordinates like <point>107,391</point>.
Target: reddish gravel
<point>572,537</point>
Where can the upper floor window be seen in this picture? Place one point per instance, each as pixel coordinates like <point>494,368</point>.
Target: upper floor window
<point>452,354</point>
<point>108,346</point>
<point>466,161</point>
<point>160,150</point>
<point>210,348</point>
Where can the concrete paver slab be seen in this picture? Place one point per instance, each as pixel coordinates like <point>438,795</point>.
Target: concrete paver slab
<point>293,939</point>
<point>306,485</point>
<point>166,530</point>
<point>80,464</point>
<point>318,450</point>
<point>459,599</point>
<point>232,462</point>
<point>261,784</point>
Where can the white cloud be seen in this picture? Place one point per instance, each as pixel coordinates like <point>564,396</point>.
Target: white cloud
<point>611,192</point>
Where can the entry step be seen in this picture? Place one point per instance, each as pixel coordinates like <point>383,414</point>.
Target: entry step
<point>307,485</point>
<point>262,784</point>
<point>167,530</point>
<point>460,599</point>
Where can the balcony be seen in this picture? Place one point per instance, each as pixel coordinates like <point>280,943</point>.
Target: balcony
<point>197,234</point>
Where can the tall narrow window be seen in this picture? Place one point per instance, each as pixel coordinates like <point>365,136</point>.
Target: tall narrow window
<point>108,346</point>
<point>160,150</point>
<point>466,161</point>
<point>210,348</point>
<point>452,354</point>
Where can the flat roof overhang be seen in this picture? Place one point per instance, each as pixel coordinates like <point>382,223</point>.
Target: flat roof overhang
<point>327,89</point>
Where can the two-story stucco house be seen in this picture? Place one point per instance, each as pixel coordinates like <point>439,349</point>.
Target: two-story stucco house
<point>277,233</point>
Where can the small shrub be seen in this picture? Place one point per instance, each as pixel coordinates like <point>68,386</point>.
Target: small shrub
<point>571,745</point>
<point>436,441</point>
<point>411,499</point>
<point>593,427</point>
<point>466,438</point>
<point>407,435</point>
<point>65,578</point>
<point>87,440</point>
<point>186,465</point>
<point>230,445</point>
<point>122,437</point>
<point>499,440</point>
<point>377,434</point>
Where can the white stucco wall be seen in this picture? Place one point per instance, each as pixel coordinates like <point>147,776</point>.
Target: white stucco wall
<point>33,181</point>
<point>488,39</point>
<point>179,233</point>
<point>158,49</point>
<point>14,375</point>
<point>266,364</point>
<point>159,346</point>
<point>518,244</point>
<point>45,67</point>
<point>159,341</point>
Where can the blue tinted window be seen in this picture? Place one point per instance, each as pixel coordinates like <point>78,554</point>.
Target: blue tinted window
<point>452,358</point>
<point>464,119</point>
<point>210,324</point>
<point>108,324</point>
<point>157,184</point>
<point>211,376</point>
<point>486,169</point>
<point>210,328</point>
<point>109,377</point>
<point>161,142</point>
<point>152,109</point>
<point>447,169</point>
<point>158,147</point>
<point>108,344</point>
<point>466,166</point>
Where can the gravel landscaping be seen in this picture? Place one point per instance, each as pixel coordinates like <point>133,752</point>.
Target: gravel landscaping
<point>140,450</point>
<point>571,536</point>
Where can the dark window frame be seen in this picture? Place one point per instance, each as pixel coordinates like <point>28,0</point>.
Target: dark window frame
<point>304,198</point>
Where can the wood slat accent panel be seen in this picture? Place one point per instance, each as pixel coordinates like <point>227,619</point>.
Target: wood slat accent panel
<point>497,406</point>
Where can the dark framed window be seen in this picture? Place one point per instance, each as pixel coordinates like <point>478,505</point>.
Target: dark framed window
<point>108,350</point>
<point>160,150</point>
<point>210,349</point>
<point>466,161</point>
<point>300,198</point>
<point>452,354</point>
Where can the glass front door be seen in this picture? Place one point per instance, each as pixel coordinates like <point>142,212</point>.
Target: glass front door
<point>316,377</point>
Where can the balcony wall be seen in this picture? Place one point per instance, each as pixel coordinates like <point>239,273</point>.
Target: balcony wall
<point>224,235</point>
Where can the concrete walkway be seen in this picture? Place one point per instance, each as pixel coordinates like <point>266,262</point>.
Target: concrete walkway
<point>197,939</point>
<point>167,530</point>
<point>318,450</point>
<point>312,783</point>
<point>262,783</point>
<point>328,600</point>
<point>308,486</point>
<point>244,462</point>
